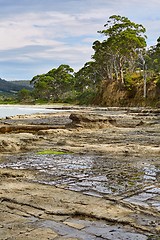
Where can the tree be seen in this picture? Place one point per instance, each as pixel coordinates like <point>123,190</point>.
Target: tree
<point>63,80</point>
<point>87,77</point>
<point>153,58</point>
<point>24,95</point>
<point>54,84</point>
<point>124,40</point>
<point>42,88</point>
<point>104,60</point>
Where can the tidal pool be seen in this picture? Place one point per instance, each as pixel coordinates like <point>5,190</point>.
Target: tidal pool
<point>92,174</point>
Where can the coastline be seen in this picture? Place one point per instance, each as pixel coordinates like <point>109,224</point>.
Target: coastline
<point>120,137</point>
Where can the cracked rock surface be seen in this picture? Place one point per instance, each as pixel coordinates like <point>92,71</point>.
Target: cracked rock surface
<point>105,185</point>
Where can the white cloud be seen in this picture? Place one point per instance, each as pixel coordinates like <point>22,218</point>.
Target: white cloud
<point>52,32</point>
<point>44,28</point>
<point>64,33</point>
<point>22,31</point>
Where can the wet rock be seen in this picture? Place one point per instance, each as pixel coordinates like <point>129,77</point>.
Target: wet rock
<point>113,175</point>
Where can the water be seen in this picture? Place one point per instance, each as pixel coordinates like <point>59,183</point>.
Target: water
<point>95,175</point>
<point>8,111</point>
<point>133,180</point>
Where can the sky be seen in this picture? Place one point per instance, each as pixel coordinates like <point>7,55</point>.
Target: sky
<point>39,35</point>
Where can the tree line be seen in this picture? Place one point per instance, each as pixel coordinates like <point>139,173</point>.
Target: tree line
<point>123,56</point>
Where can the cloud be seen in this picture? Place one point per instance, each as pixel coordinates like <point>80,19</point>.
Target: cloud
<point>45,28</point>
<point>29,37</point>
<point>41,34</point>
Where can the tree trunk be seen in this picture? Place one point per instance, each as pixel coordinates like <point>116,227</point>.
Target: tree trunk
<point>121,71</point>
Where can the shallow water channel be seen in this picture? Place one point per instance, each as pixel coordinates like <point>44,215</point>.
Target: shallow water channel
<point>132,179</point>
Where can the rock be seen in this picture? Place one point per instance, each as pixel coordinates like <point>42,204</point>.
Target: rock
<point>16,142</point>
<point>90,120</point>
<point>74,225</point>
<point>127,141</point>
<point>28,128</point>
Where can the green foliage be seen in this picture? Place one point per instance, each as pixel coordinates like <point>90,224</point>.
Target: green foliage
<point>119,50</point>
<point>131,81</point>
<point>87,77</point>
<point>86,97</point>
<point>8,101</point>
<point>25,95</point>
<point>157,81</point>
<point>153,57</point>
<point>53,85</point>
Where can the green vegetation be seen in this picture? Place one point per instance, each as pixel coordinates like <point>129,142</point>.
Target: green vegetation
<point>7,98</point>
<point>122,71</point>
<point>44,152</point>
<point>118,54</point>
<point>56,85</point>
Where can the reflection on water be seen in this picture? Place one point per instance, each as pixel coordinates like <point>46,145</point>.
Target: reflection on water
<point>150,172</point>
<point>94,175</point>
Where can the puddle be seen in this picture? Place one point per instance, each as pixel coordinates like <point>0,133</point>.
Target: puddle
<point>93,230</point>
<point>150,172</point>
<point>97,175</point>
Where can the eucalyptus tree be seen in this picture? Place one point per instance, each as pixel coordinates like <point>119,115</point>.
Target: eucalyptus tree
<point>153,58</point>
<point>118,53</point>
<point>104,60</point>
<point>42,89</point>
<point>87,77</point>
<point>55,83</point>
<point>63,80</point>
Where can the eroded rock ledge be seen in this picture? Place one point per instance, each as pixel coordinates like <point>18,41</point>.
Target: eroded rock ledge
<point>30,210</point>
<point>94,130</point>
<point>90,120</point>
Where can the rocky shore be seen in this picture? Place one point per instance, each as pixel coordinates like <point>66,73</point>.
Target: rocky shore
<point>104,148</point>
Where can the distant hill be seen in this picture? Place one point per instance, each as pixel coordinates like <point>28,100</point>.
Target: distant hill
<point>13,86</point>
<point>24,83</point>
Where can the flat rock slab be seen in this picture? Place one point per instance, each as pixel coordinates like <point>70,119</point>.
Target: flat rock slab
<point>27,209</point>
<point>32,210</point>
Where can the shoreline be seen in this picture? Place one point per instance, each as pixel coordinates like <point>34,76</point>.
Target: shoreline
<point>120,142</point>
